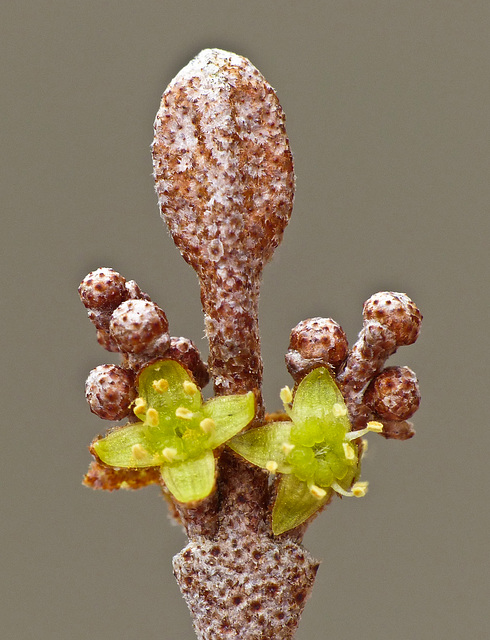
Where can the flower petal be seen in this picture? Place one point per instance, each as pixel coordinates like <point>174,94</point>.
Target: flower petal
<point>230,415</point>
<point>191,480</point>
<point>264,445</point>
<point>294,504</point>
<point>127,447</point>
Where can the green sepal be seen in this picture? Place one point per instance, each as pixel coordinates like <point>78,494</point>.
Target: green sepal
<point>315,397</point>
<point>166,402</point>
<point>294,504</point>
<point>230,414</point>
<point>265,444</point>
<point>191,480</point>
<point>173,436</point>
<point>116,449</point>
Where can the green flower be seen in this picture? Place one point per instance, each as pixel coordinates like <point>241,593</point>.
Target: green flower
<point>177,431</point>
<point>314,450</point>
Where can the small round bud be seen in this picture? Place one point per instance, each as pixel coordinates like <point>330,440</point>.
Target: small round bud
<point>102,290</point>
<point>394,394</point>
<point>139,326</point>
<point>396,312</point>
<point>185,351</point>
<point>110,391</point>
<point>320,338</point>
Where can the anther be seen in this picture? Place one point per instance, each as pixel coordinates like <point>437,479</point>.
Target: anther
<point>152,417</point>
<point>348,451</point>
<point>185,414</point>
<point>139,452</point>
<point>160,385</point>
<point>169,454</point>
<point>287,447</point>
<point>189,388</point>
<point>375,427</point>
<point>139,407</point>
<point>339,410</point>
<point>286,395</point>
<point>317,492</point>
<point>359,489</point>
<point>207,425</point>
<point>272,466</point>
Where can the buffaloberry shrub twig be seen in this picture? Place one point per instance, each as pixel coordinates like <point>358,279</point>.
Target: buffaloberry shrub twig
<point>243,484</point>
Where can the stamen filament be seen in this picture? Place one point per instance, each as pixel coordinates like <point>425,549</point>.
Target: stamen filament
<point>375,427</point>
<point>338,489</point>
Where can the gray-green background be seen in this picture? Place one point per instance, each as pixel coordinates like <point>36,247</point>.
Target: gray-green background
<point>387,108</point>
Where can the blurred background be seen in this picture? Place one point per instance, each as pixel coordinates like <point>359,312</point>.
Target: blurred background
<point>387,114</point>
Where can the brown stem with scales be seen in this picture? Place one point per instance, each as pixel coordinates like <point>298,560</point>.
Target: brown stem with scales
<point>224,177</point>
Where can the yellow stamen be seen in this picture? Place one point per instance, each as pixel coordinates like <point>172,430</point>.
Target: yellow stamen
<point>374,426</point>
<point>338,489</point>
<point>152,417</point>
<point>287,447</point>
<point>139,407</point>
<point>371,426</point>
<point>349,452</point>
<point>189,388</point>
<point>169,454</point>
<point>185,414</point>
<point>359,489</point>
<point>317,492</point>
<point>271,466</point>
<point>286,395</point>
<point>207,425</point>
<point>160,385</point>
<point>339,410</point>
<point>139,452</point>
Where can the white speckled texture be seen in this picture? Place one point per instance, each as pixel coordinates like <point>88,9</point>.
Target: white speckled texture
<point>225,183</point>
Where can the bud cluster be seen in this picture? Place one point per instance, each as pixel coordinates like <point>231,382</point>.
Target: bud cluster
<point>128,322</point>
<point>391,395</point>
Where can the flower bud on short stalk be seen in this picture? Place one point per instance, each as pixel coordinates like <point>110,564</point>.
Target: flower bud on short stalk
<point>390,320</point>
<point>313,343</point>
<point>224,178</point>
